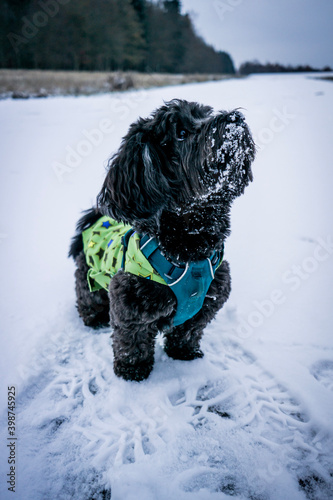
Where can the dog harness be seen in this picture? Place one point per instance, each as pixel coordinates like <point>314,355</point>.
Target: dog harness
<point>110,246</point>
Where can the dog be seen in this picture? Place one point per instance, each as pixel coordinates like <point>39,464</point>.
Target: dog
<point>164,211</point>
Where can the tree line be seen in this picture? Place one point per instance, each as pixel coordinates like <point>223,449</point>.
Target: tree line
<point>105,35</point>
<point>251,67</point>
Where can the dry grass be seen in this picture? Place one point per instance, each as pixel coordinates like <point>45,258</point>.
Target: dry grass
<point>37,83</point>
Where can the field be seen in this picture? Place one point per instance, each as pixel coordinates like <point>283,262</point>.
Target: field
<point>252,420</point>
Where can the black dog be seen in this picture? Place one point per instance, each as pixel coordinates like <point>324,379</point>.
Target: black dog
<point>173,180</point>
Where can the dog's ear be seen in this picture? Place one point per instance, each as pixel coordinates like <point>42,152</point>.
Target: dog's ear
<point>135,187</point>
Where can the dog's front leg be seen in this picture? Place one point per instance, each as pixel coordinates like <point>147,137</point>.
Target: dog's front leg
<point>139,308</point>
<point>183,341</point>
<point>133,348</point>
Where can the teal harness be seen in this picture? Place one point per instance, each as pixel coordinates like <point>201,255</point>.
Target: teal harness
<point>189,282</point>
<point>110,246</point>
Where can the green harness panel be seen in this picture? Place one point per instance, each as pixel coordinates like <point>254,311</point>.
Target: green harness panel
<point>104,250</point>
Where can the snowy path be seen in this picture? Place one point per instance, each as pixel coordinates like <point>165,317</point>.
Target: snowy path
<point>253,418</point>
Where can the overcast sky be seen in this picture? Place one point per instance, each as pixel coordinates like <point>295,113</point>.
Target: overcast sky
<point>286,31</point>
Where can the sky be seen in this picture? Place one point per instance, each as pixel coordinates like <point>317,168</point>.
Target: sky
<point>285,31</point>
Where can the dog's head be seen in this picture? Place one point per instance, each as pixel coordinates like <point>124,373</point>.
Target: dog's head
<point>176,162</point>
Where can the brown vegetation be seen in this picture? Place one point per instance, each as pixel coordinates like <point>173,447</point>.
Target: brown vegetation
<point>38,83</point>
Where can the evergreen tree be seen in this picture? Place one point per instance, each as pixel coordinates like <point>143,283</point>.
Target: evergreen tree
<point>104,35</point>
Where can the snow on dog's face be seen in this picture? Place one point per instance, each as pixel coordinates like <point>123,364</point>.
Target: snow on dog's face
<point>181,155</point>
<point>228,155</point>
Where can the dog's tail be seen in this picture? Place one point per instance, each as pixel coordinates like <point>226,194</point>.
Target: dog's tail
<point>88,219</point>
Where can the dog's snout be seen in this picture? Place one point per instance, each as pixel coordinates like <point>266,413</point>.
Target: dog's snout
<point>232,117</point>
<point>224,121</point>
<point>236,117</point>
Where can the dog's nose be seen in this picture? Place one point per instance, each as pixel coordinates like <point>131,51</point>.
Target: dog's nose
<point>234,117</point>
<point>227,118</point>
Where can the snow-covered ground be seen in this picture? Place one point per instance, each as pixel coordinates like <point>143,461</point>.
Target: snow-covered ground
<point>253,419</point>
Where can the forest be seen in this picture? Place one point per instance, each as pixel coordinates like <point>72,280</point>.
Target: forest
<point>105,35</point>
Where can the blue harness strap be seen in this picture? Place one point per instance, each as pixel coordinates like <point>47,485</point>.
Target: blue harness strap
<point>125,240</point>
<point>189,281</point>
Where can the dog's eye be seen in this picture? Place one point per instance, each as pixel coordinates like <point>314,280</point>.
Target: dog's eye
<point>182,134</point>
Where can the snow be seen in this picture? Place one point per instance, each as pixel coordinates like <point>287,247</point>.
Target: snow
<point>253,418</point>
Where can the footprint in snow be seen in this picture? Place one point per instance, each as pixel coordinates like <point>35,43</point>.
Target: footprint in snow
<point>323,372</point>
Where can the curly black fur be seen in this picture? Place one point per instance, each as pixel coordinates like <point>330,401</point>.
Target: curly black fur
<point>174,177</point>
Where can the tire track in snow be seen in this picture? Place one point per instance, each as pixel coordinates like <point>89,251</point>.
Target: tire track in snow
<point>77,414</point>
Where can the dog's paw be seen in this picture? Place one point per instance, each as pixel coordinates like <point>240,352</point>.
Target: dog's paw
<point>132,372</point>
<point>183,353</point>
